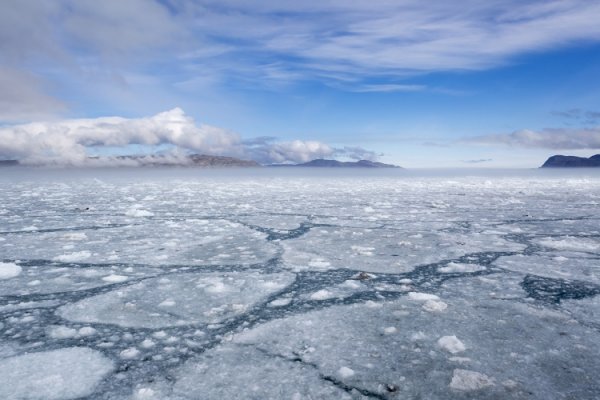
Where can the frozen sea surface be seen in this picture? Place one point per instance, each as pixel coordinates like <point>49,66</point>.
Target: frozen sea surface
<point>197,284</point>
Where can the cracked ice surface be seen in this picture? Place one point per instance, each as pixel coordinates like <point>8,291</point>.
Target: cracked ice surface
<point>188,298</point>
<point>189,284</point>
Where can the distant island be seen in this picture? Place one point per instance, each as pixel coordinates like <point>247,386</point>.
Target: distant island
<point>560,161</point>
<point>323,163</point>
<point>8,163</point>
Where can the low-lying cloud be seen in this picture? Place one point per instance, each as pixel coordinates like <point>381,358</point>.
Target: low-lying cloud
<point>550,138</point>
<point>478,161</point>
<point>68,142</point>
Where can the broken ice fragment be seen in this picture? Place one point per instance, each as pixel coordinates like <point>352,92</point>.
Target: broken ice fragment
<point>466,380</point>
<point>451,344</point>
<point>345,372</point>
<point>9,270</point>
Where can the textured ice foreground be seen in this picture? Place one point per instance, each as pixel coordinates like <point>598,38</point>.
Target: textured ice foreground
<point>187,298</point>
<point>195,284</point>
<point>59,374</point>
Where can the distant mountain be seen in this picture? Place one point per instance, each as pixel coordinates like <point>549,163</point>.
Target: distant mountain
<point>8,163</point>
<point>559,161</point>
<point>322,163</point>
<point>194,160</point>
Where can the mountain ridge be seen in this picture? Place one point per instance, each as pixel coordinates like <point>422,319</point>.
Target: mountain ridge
<point>325,163</point>
<point>560,161</point>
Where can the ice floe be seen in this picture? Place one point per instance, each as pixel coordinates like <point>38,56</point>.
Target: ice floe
<point>67,373</point>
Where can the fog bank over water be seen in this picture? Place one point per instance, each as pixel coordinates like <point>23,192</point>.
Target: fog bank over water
<point>160,173</point>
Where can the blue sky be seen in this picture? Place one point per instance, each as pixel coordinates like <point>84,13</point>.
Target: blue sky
<point>419,84</point>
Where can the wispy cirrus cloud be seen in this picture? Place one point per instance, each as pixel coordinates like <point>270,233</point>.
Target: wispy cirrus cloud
<point>579,115</point>
<point>347,45</point>
<point>550,138</point>
<point>398,37</point>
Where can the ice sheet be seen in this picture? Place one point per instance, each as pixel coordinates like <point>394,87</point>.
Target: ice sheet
<point>184,284</point>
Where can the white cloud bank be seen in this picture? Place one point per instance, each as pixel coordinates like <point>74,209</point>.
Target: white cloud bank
<point>68,142</point>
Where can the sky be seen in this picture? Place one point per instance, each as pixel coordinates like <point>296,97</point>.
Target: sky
<point>421,84</point>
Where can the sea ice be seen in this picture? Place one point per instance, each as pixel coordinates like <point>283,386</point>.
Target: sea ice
<point>67,373</point>
<point>185,284</point>
<point>239,372</point>
<point>200,298</point>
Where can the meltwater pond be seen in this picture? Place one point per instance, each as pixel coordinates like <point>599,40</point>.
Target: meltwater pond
<point>285,284</point>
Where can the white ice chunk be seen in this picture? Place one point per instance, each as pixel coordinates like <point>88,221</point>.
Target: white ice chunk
<point>345,372</point>
<point>86,331</point>
<point>465,380</point>
<point>390,330</point>
<point>9,270</point>
<point>138,213</point>
<point>418,296</point>
<point>61,332</point>
<point>280,302</point>
<point>129,353</point>
<point>73,257</point>
<point>147,343</point>
<point>75,236</point>
<point>434,306</point>
<point>461,267</point>
<point>113,278</point>
<point>322,294</point>
<point>145,394</point>
<point>451,344</point>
